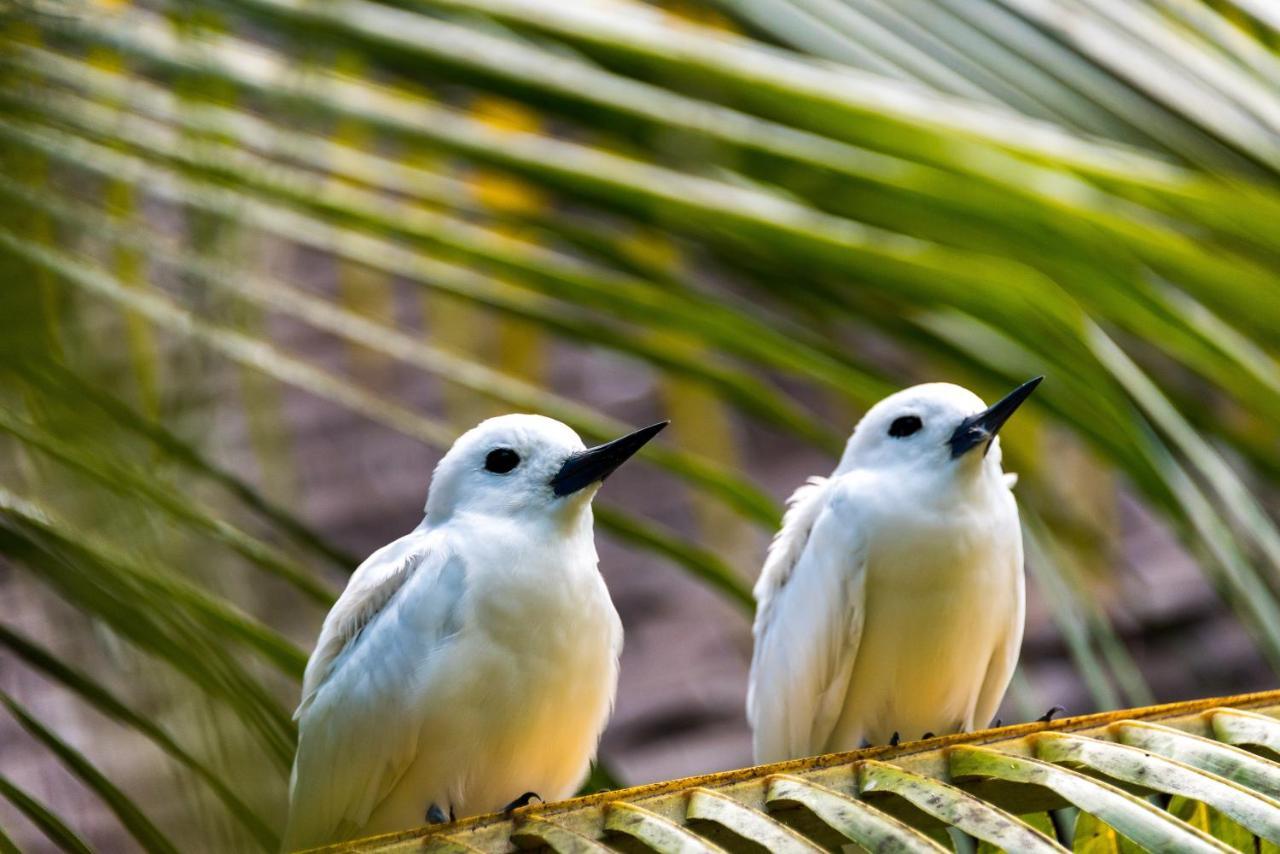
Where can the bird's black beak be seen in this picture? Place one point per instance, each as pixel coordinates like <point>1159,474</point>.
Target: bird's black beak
<point>595,464</point>
<point>980,429</point>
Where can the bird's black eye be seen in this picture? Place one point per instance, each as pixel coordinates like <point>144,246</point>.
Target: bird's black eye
<point>501,460</point>
<point>904,426</point>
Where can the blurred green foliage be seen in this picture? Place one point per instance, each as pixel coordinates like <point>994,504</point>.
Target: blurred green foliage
<point>779,209</point>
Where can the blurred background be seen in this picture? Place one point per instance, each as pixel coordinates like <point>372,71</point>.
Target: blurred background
<point>263,259</point>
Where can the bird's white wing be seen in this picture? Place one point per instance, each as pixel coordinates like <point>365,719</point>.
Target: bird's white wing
<point>357,727</point>
<point>808,625</point>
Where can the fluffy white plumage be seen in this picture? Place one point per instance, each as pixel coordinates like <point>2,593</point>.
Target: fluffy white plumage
<point>892,599</point>
<point>470,661</point>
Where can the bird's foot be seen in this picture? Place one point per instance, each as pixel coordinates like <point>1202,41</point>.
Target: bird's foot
<point>435,815</point>
<point>926,736</point>
<point>1048,716</point>
<point>522,801</point>
<point>997,723</point>
<point>894,739</point>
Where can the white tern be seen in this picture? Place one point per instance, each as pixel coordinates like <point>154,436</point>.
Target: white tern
<point>473,660</point>
<point>892,599</point>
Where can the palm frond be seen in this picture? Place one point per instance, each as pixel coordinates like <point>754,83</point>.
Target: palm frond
<point>774,224</point>
<point>139,826</point>
<point>53,828</point>
<point>103,700</point>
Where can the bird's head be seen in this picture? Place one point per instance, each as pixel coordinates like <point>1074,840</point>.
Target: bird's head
<point>526,465</point>
<point>937,426</point>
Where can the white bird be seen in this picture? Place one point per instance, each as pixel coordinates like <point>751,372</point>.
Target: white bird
<point>474,659</point>
<point>892,599</point>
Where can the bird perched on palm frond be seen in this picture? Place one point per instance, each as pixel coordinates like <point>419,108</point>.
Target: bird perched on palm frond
<point>892,599</point>
<point>474,659</point>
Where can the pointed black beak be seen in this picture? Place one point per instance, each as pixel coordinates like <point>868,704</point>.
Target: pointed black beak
<point>980,429</point>
<point>595,464</point>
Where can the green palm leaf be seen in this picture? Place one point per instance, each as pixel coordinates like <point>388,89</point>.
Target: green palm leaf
<point>139,826</point>
<point>103,700</point>
<point>788,224</point>
<point>49,824</point>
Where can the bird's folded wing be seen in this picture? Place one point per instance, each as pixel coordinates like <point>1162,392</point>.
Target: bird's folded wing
<point>808,626</point>
<point>358,726</point>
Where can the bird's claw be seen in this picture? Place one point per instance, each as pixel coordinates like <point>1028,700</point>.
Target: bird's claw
<point>522,801</point>
<point>435,815</point>
<point>894,739</point>
<point>926,736</point>
<point>1048,716</point>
